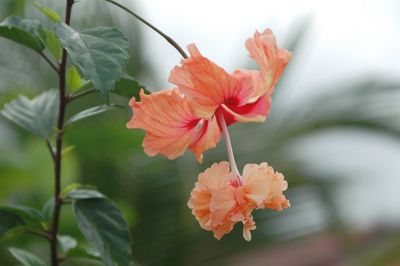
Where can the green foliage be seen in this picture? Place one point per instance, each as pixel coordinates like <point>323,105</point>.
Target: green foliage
<point>26,258</point>
<point>37,115</point>
<point>102,225</point>
<point>52,44</point>
<point>128,87</point>
<point>89,112</point>
<point>31,217</point>
<point>74,79</point>
<point>51,14</point>
<point>100,54</point>
<point>9,220</point>
<point>82,193</point>
<point>23,31</point>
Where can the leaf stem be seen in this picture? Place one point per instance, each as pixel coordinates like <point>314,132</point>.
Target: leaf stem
<point>165,36</point>
<point>80,94</point>
<point>58,153</point>
<point>50,149</point>
<point>53,66</point>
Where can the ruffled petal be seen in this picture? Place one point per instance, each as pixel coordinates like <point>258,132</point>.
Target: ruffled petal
<point>207,139</point>
<point>265,187</point>
<point>207,84</point>
<point>171,125</point>
<point>271,59</point>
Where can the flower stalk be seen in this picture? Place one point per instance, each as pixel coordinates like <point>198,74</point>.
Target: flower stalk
<point>229,148</point>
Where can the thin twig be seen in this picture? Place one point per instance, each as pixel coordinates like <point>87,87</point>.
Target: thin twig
<point>165,36</point>
<point>53,66</point>
<point>50,149</point>
<point>80,94</point>
<point>37,233</point>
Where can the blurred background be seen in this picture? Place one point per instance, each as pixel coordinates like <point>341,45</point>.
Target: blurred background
<point>334,132</point>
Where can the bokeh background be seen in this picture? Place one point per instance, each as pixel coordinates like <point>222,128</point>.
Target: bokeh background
<point>334,132</point>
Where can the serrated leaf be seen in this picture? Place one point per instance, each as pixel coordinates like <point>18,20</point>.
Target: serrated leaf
<point>74,79</point>
<point>89,112</point>
<point>99,53</point>
<point>51,14</point>
<point>66,243</point>
<point>23,31</point>
<point>128,87</point>
<point>103,226</point>
<point>84,194</point>
<point>37,115</point>
<point>8,221</point>
<point>26,258</point>
<point>52,44</point>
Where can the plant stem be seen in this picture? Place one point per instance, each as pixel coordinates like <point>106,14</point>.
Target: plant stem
<point>228,143</point>
<point>57,158</point>
<point>165,36</point>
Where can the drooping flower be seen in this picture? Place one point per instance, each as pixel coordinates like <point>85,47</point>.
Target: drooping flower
<point>220,198</point>
<point>187,116</point>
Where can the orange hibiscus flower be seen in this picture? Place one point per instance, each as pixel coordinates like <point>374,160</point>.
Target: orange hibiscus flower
<point>185,116</point>
<point>220,198</point>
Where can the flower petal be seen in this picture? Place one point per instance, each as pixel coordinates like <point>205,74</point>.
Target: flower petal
<point>169,122</point>
<point>252,112</point>
<point>265,187</point>
<point>207,139</point>
<point>207,84</point>
<point>271,59</point>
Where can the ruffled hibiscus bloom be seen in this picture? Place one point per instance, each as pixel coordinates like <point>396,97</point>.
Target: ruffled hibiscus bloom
<point>185,117</point>
<point>220,198</point>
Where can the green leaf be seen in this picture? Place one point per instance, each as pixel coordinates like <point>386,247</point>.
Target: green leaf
<point>26,258</point>
<point>74,79</point>
<point>8,221</point>
<point>99,53</point>
<point>51,14</point>
<point>23,31</point>
<point>102,225</point>
<point>84,194</point>
<point>37,115</point>
<point>83,253</point>
<point>30,217</point>
<point>66,243</point>
<point>89,112</point>
<point>128,87</point>
<point>48,209</point>
<point>52,44</point>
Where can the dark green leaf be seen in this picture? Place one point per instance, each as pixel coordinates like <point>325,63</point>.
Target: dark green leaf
<point>26,258</point>
<point>74,79</point>
<point>128,87</point>
<point>30,217</point>
<point>51,14</point>
<point>23,31</point>
<point>102,225</point>
<point>37,115</point>
<point>66,243</point>
<point>89,112</point>
<point>100,53</point>
<point>84,194</point>
<point>8,221</point>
